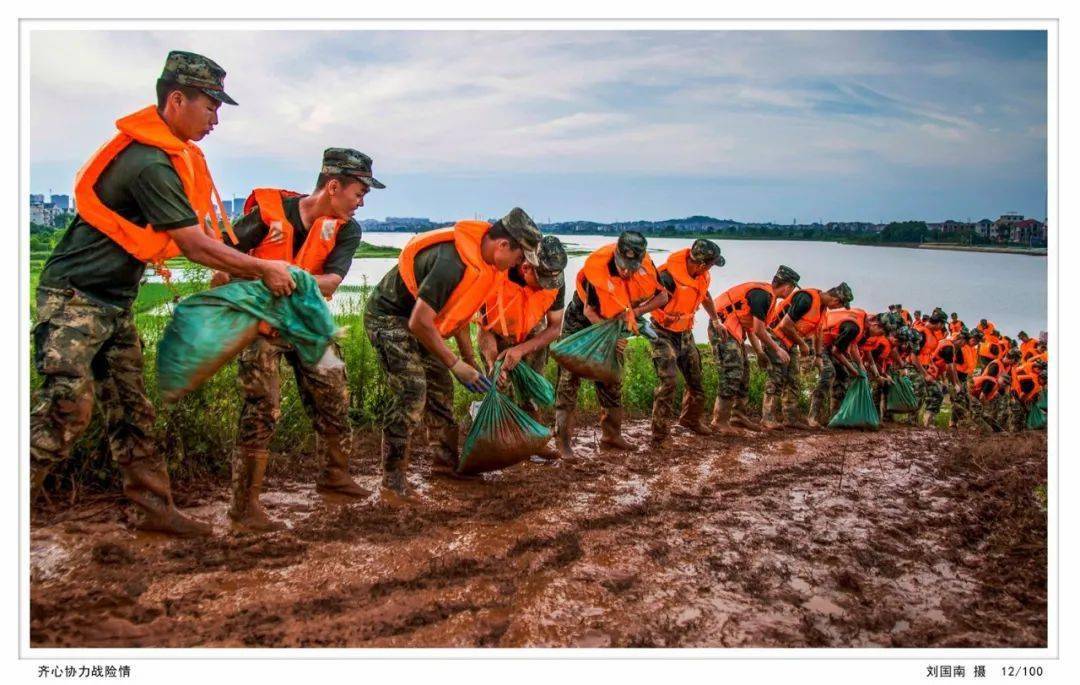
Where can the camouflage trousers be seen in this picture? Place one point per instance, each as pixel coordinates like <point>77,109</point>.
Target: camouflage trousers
<point>994,413</point>
<point>918,382</point>
<point>83,348</point>
<point>961,402</point>
<point>608,395</point>
<point>1017,413</point>
<point>417,384</point>
<point>324,392</point>
<point>732,366</point>
<point>782,388</point>
<point>828,393</point>
<point>671,353</point>
<point>537,360</point>
<point>935,395</point>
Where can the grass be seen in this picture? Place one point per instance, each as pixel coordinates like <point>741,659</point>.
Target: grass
<point>368,251</point>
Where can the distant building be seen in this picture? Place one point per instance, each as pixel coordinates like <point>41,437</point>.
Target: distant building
<point>37,199</point>
<point>61,202</point>
<point>983,228</point>
<point>953,227</point>
<point>1028,232</point>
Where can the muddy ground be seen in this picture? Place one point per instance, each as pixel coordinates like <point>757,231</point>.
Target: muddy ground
<point>901,538</point>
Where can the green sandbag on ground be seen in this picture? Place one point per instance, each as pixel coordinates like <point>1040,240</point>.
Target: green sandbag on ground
<point>857,410</point>
<point>901,396</point>
<point>210,328</point>
<point>501,434</point>
<point>590,353</point>
<point>530,385</point>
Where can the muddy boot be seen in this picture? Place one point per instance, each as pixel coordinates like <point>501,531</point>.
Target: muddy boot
<point>814,420</point>
<point>611,430</point>
<point>563,427</point>
<point>148,487</point>
<point>692,416</point>
<point>740,418</point>
<point>395,485</point>
<point>332,452</point>
<point>247,514</point>
<point>720,414</point>
<point>768,412</point>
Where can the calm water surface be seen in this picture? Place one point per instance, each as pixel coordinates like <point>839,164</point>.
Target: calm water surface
<point>1010,290</point>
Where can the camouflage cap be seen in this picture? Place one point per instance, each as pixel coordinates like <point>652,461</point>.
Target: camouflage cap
<point>521,228</point>
<point>196,71</point>
<point>630,250</point>
<point>552,258</point>
<point>891,321</point>
<point>938,316</point>
<point>1013,353</point>
<point>785,274</point>
<point>706,252</point>
<point>974,333</point>
<point>349,162</point>
<point>843,293</point>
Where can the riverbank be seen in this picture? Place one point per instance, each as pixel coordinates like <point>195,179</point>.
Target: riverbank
<point>1031,251</point>
<point>899,538</point>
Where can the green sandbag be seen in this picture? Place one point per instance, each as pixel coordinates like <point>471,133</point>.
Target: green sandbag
<point>209,328</point>
<point>530,385</point>
<point>501,435</point>
<point>1041,404</point>
<point>1036,418</point>
<point>590,353</point>
<point>857,410</point>
<point>901,397</point>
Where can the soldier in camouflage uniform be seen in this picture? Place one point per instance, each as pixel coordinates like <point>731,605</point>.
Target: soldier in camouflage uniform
<point>85,340</point>
<point>1016,409</point>
<point>401,321</point>
<point>833,361</point>
<point>675,351</point>
<point>935,389</point>
<point>316,232</point>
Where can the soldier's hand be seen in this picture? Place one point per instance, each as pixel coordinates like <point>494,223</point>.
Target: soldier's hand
<point>276,276</point>
<point>470,377</point>
<point>511,357</point>
<point>783,356</point>
<point>219,278</point>
<point>620,345</point>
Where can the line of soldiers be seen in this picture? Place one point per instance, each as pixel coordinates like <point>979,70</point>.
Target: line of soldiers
<point>147,195</point>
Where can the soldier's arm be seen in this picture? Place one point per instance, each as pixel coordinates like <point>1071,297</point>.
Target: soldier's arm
<point>788,328</point>
<point>422,325</point>
<point>655,302</point>
<point>544,337</point>
<point>489,349</point>
<point>710,308</point>
<point>328,283</point>
<point>202,249</point>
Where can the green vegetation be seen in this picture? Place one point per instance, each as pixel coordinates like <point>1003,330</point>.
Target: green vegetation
<point>367,251</point>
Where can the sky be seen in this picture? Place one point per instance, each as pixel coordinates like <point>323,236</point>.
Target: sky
<point>593,125</point>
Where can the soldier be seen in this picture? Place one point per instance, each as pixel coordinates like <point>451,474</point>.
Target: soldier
<point>145,196</point>
<point>317,233</point>
<point>685,276</point>
<point>441,279</point>
<point>510,319</point>
<point>796,324</point>
<point>932,333</point>
<point>839,361</point>
<point>743,311</point>
<point>618,280</point>
<point>1026,384</point>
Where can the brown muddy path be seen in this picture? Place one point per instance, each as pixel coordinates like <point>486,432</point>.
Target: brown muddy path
<point>904,537</point>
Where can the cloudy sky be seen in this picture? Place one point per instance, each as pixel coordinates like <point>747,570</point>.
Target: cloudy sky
<point>754,126</point>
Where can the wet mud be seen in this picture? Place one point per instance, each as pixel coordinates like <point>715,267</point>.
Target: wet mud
<point>897,538</point>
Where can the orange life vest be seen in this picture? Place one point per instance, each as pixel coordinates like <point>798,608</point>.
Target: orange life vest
<point>939,360</point>
<point>880,350</point>
<point>678,314</point>
<point>521,307</point>
<point>906,316</point>
<point>834,318</point>
<point>970,359</point>
<point>991,348</point>
<point>933,337</point>
<point>479,280</point>
<point>807,325</point>
<point>734,309</point>
<point>278,243</point>
<point>988,329</point>
<point>1029,348</point>
<point>616,295</point>
<point>988,378</point>
<point>143,242</point>
<point>1025,373</point>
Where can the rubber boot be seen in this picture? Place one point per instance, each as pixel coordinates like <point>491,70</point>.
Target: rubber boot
<point>148,487</point>
<point>563,428</point>
<point>246,512</point>
<point>814,420</point>
<point>611,430</point>
<point>692,415</point>
<point>769,405</point>
<point>332,452</point>
<point>445,450</point>
<point>740,418</point>
<point>395,484</point>
<point>721,413</point>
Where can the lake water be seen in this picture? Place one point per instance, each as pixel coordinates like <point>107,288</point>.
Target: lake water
<point>1008,289</point>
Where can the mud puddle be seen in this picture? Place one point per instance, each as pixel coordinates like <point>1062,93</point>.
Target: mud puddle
<point>778,540</point>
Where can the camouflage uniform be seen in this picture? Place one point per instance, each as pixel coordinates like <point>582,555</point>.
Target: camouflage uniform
<point>732,366</point>
<point>324,392</point>
<point>782,383</point>
<point>417,383</point>
<point>609,395</point>
<point>673,352</point>
<point>833,381</point>
<point>81,346</point>
<point>935,395</point>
